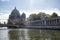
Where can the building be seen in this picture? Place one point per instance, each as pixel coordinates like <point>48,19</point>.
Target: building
<point>46,22</point>
<point>15,18</point>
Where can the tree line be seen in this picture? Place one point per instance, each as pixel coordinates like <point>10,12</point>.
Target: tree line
<point>41,15</point>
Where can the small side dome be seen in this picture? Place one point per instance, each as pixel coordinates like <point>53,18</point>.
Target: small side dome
<point>23,15</point>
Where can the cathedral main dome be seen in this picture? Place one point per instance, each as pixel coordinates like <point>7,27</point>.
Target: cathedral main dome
<point>15,18</point>
<point>15,12</point>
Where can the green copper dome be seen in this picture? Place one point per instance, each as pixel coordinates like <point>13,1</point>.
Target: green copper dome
<point>15,13</point>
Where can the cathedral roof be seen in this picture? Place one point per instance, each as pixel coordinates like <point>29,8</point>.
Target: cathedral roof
<point>15,12</point>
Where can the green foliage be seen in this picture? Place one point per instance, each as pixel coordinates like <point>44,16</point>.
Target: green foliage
<point>23,24</point>
<point>41,15</point>
<point>54,15</point>
<point>37,16</point>
<point>32,17</point>
<point>0,22</point>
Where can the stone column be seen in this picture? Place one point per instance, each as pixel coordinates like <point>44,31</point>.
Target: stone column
<point>56,21</point>
<point>44,22</point>
<point>49,22</point>
<point>59,21</point>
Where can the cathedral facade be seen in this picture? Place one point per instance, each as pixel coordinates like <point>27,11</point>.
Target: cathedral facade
<point>15,18</point>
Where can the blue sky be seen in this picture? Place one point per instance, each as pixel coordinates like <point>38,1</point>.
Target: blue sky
<point>28,6</point>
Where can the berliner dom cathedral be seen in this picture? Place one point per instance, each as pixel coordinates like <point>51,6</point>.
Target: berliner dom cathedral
<point>16,19</point>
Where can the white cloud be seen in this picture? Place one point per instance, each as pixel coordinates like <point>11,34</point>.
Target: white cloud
<point>4,18</point>
<point>5,0</point>
<point>47,11</point>
<point>4,15</point>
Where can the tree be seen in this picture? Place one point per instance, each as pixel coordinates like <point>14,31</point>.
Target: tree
<point>0,23</point>
<point>54,15</point>
<point>41,16</point>
<point>32,17</point>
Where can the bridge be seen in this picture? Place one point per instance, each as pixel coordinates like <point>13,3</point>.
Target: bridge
<point>53,23</point>
<point>9,26</point>
<point>31,27</point>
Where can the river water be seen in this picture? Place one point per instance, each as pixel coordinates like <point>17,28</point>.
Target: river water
<point>29,34</point>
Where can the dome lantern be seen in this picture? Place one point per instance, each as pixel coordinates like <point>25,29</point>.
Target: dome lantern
<point>15,7</point>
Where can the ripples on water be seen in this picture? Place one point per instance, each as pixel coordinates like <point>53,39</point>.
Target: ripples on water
<point>29,34</point>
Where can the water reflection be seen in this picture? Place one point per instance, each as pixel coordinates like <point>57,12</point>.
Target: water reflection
<point>4,35</point>
<point>36,34</point>
<point>29,34</point>
<point>16,34</point>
